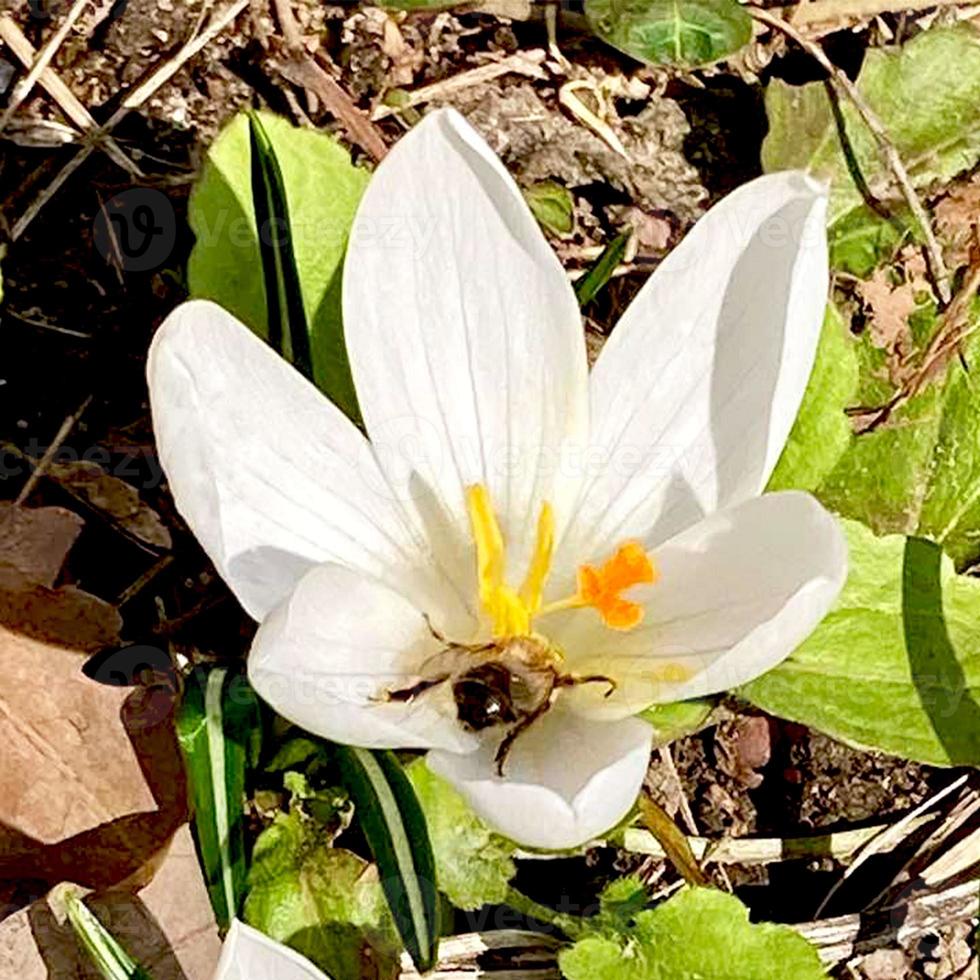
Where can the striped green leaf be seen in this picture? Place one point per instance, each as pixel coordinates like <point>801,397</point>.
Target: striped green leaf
<point>108,957</point>
<point>217,725</point>
<point>289,332</point>
<point>394,825</point>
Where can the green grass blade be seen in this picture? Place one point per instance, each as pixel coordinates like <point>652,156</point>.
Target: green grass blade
<point>289,331</point>
<point>216,724</point>
<point>394,825</point>
<point>108,957</point>
<point>600,272</point>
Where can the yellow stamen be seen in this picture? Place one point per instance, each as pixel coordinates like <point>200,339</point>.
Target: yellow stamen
<point>505,608</point>
<point>537,572</point>
<point>511,613</point>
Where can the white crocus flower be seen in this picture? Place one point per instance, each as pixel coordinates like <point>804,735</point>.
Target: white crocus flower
<point>601,537</point>
<point>248,954</point>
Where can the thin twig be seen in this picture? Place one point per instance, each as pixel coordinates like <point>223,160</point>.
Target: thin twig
<point>937,266</point>
<point>45,461</point>
<point>24,52</point>
<point>523,63</point>
<point>23,88</point>
<point>287,23</point>
<point>133,100</point>
<point>816,12</point>
<point>302,70</point>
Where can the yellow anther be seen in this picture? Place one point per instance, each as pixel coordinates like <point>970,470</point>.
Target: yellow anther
<point>490,556</point>
<point>506,609</point>
<point>537,573</point>
<point>511,613</point>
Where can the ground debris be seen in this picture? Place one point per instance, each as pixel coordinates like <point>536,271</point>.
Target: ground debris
<point>538,141</point>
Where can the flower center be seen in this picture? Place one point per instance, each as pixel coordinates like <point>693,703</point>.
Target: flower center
<point>512,611</point>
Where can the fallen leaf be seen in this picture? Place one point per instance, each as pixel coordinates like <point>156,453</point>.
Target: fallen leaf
<point>114,498</point>
<point>67,616</point>
<point>889,307</point>
<point>957,215</point>
<point>91,781</point>
<point>37,540</point>
<point>167,926</point>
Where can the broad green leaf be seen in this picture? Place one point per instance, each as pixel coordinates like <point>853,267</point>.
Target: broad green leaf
<point>699,934</point>
<point>927,94</point>
<point>919,472</point>
<point>324,902</point>
<point>552,205</point>
<point>822,431</point>
<point>895,665</point>
<point>474,865</point>
<point>108,957</point>
<point>391,818</point>
<point>217,726</point>
<point>323,189</point>
<point>286,325</point>
<point>671,32</point>
<point>673,721</point>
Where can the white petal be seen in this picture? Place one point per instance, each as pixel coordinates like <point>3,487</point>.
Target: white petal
<point>251,955</point>
<point>326,656</point>
<point>271,477</point>
<point>737,593</point>
<point>695,392</point>
<point>464,335</point>
<point>566,780</point>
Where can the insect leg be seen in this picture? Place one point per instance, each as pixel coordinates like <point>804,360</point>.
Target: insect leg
<point>406,694</point>
<point>507,743</point>
<point>570,680</point>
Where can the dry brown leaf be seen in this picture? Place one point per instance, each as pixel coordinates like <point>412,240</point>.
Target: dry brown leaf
<point>33,547</point>
<point>956,215</point>
<point>167,926</point>
<point>67,616</point>
<point>37,540</point>
<point>114,498</point>
<point>91,779</point>
<point>888,308</point>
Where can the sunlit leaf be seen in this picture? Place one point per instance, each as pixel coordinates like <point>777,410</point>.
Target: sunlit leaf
<point>672,32</point>
<point>896,664</point>
<point>699,934</point>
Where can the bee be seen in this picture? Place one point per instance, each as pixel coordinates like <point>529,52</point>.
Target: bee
<point>507,684</point>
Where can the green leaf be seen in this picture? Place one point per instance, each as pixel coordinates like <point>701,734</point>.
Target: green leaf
<point>217,724</point>
<point>699,934</point>
<point>931,114</point>
<point>286,326</point>
<point>108,957</point>
<point>552,206</point>
<point>393,822</point>
<point>592,283</point>
<point>323,901</point>
<point>323,189</point>
<point>673,721</point>
<point>895,665</point>
<point>822,432</point>
<point>671,32</point>
<point>474,865</point>
<point>919,472</point>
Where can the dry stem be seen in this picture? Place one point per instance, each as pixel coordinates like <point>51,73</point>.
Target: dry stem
<point>839,79</point>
